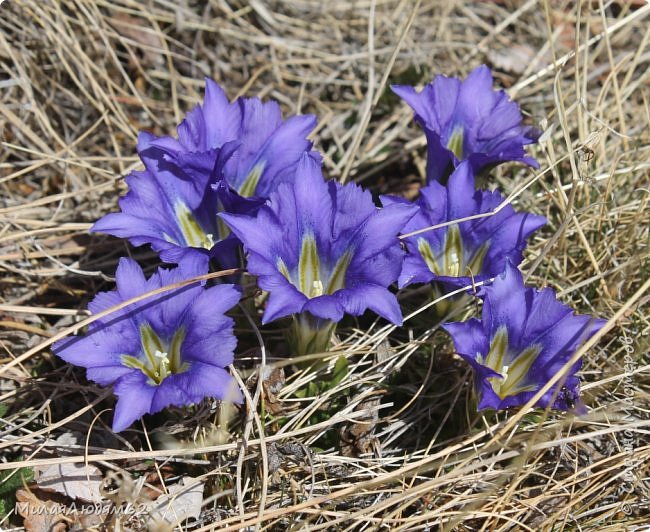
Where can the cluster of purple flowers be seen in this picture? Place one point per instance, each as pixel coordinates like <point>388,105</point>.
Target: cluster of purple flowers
<point>238,177</point>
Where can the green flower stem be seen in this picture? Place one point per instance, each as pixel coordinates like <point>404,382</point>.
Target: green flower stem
<point>449,308</point>
<point>308,334</point>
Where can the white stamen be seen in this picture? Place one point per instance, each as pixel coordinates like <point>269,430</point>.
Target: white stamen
<point>317,288</point>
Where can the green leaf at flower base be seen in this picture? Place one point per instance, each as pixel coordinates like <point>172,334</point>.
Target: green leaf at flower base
<point>340,371</point>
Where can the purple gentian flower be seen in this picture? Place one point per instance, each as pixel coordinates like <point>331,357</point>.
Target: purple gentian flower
<point>269,148</point>
<point>169,349</point>
<point>173,203</point>
<point>174,208</point>
<point>459,253</point>
<point>323,248</point>
<point>523,339</point>
<point>468,120</point>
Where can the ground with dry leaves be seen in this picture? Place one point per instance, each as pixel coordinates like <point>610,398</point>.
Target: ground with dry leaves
<point>382,436</point>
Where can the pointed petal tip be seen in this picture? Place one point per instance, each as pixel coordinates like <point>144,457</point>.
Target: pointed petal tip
<point>104,224</point>
<point>481,74</point>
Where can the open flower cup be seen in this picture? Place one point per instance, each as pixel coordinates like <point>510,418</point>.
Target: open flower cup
<point>169,349</point>
<point>468,121</point>
<point>323,250</point>
<point>522,340</point>
<point>462,251</point>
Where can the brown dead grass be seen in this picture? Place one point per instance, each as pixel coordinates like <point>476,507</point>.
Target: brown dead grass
<point>395,444</point>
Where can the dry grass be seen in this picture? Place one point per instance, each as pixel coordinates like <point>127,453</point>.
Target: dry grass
<point>395,443</point>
